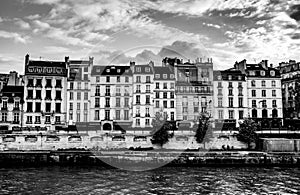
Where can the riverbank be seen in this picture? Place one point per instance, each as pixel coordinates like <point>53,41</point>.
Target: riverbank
<point>149,158</point>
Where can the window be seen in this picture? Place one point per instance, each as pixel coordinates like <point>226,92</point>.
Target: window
<point>107,79</point>
<point>230,84</point>
<point>253,93</point>
<point>147,112</point>
<point>219,91</point>
<point>118,79</point>
<point>241,114</point>
<point>165,103</point>
<point>97,115</point>
<point>118,114</point>
<point>37,107</point>
<point>137,121</point>
<point>254,113</point>
<point>262,73</point>
<point>71,106</point>
<point>172,104</point>
<point>86,95</point>
<point>220,113</point>
<point>126,103</point>
<point>157,76</point>
<point>97,90</point>
<point>274,93</point>
<point>71,116</point>
<point>230,92</point>
<point>253,103</point>
<point>86,69</point>
<point>57,107</point>
<point>58,95</point>
<point>30,83</point>
<point>138,79</point>
<point>78,117</point>
<point>37,119</point>
<point>220,101</point>
<point>263,83</point>
<point>29,106</point>
<point>78,95</point>
<point>157,104</point>
<point>272,73</point>
<point>220,84</point>
<point>165,76</point>
<point>148,79</point>
<point>38,94</point>
<point>58,84</point>
<point>264,103</point>
<point>78,85</point>
<point>138,89</point>
<point>240,91</point>
<point>138,100</point>
<point>156,85</point>
<point>38,83</point>
<point>47,119</point>
<point>48,107</point>
<point>86,85</point>
<point>17,104</point>
<point>240,102</point>
<point>48,83</point>
<point>156,94</point>
<point>231,114</point>
<point>126,79</point>
<point>97,79</point>
<point>274,103</point>
<point>126,115</point>
<point>29,119</point>
<point>71,96</point>
<point>16,117</point>
<point>230,102</point>
<point>30,94</point>
<point>253,83</point>
<point>165,85</point>
<point>229,77</point>
<point>263,93</point>
<point>172,86</point>
<point>107,90</point>
<point>85,106</point>
<point>273,84</point>
<point>165,95</point>
<point>57,119</point>
<point>184,109</point>
<point>78,106</point>
<point>147,99</point>
<point>118,102</point>
<point>107,102</point>
<point>172,116</point>
<point>148,89</point>
<point>196,109</point>
<point>172,95</point>
<point>107,115</point>
<point>97,102</point>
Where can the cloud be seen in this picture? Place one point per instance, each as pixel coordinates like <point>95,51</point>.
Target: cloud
<point>22,24</point>
<point>15,36</point>
<point>33,17</point>
<point>56,50</point>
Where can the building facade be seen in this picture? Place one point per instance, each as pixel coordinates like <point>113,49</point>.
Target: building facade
<point>230,98</point>
<point>45,94</point>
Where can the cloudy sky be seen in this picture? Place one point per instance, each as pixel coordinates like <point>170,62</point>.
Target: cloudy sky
<point>117,31</point>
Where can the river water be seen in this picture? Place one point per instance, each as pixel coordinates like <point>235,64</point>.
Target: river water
<point>166,180</point>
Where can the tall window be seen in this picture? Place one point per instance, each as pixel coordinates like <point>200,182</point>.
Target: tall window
<point>86,95</point>
<point>264,103</point>
<point>118,114</point>
<point>253,93</point>
<point>253,83</point>
<point>16,117</point>
<point>97,90</point>
<point>126,114</point>
<point>147,99</point>
<point>253,103</point>
<point>107,79</point>
<point>274,93</point>
<point>138,100</point>
<point>273,84</point>
<point>57,107</point>
<point>148,89</point>
<point>230,102</point>
<point>97,102</point>
<point>148,79</point>
<point>107,102</point>
<point>71,95</point>
<point>118,102</point>
<point>37,107</point>
<point>220,101</point>
<point>263,93</point>
<point>231,114</point>
<point>220,113</point>
<point>107,115</point>
<point>78,95</point>
<point>240,102</point>
<point>241,114</point>
<point>157,86</point>
<point>274,103</point>
<point>138,79</point>
<point>263,83</point>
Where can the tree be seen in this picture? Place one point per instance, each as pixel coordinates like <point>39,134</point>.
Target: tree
<point>202,128</point>
<point>247,132</point>
<point>160,133</point>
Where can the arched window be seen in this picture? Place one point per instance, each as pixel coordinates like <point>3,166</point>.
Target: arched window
<point>274,113</point>
<point>264,113</point>
<point>107,126</point>
<point>254,113</point>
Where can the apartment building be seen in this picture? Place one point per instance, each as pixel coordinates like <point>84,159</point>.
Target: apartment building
<point>230,98</point>
<point>44,94</point>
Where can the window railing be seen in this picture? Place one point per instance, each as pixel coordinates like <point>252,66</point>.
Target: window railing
<point>97,94</point>
<point>48,86</point>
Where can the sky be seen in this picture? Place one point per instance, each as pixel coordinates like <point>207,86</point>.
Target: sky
<point>119,31</point>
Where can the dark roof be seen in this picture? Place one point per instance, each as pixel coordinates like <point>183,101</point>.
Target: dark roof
<point>111,70</point>
<point>79,62</point>
<point>257,69</point>
<point>163,71</point>
<point>236,75</point>
<point>47,63</point>
<point>143,69</point>
<point>13,91</point>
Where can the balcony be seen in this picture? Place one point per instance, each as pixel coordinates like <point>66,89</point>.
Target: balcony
<point>118,105</point>
<point>29,110</point>
<point>4,109</point>
<point>137,115</point>
<point>58,86</point>
<point>147,115</point>
<point>48,98</point>
<point>38,86</point>
<point>97,105</point>
<point>97,94</point>
<point>15,122</point>
<point>138,91</point>
<point>38,98</point>
<point>16,109</point>
<point>148,91</point>
<point>138,103</point>
<point>28,122</point>
<point>118,94</point>
<point>107,105</point>
<point>29,97</point>
<point>30,85</point>
<point>57,122</point>
<point>58,99</point>
<point>107,94</point>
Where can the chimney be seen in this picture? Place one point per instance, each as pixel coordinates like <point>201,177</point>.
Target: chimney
<point>26,59</point>
<point>66,59</point>
<point>200,60</point>
<point>132,64</point>
<point>207,59</point>
<point>181,61</point>
<point>151,63</point>
<point>189,60</point>
<point>210,60</point>
<point>271,65</point>
<point>91,60</point>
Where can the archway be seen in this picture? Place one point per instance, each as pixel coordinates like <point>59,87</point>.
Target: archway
<point>107,126</point>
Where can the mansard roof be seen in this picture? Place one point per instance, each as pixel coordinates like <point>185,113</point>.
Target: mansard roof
<point>229,74</point>
<point>111,70</point>
<point>161,71</point>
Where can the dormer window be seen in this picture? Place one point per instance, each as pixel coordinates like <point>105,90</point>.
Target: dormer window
<point>172,76</point>
<point>138,69</point>
<point>262,73</point>
<point>147,69</point>
<point>118,70</point>
<point>165,76</point>
<point>98,70</point>
<point>272,73</point>
<point>108,70</point>
<point>157,76</point>
<point>229,77</point>
<point>240,77</point>
<point>219,77</point>
<point>252,73</point>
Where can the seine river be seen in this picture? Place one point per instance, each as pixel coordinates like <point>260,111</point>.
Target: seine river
<point>170,180</point>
